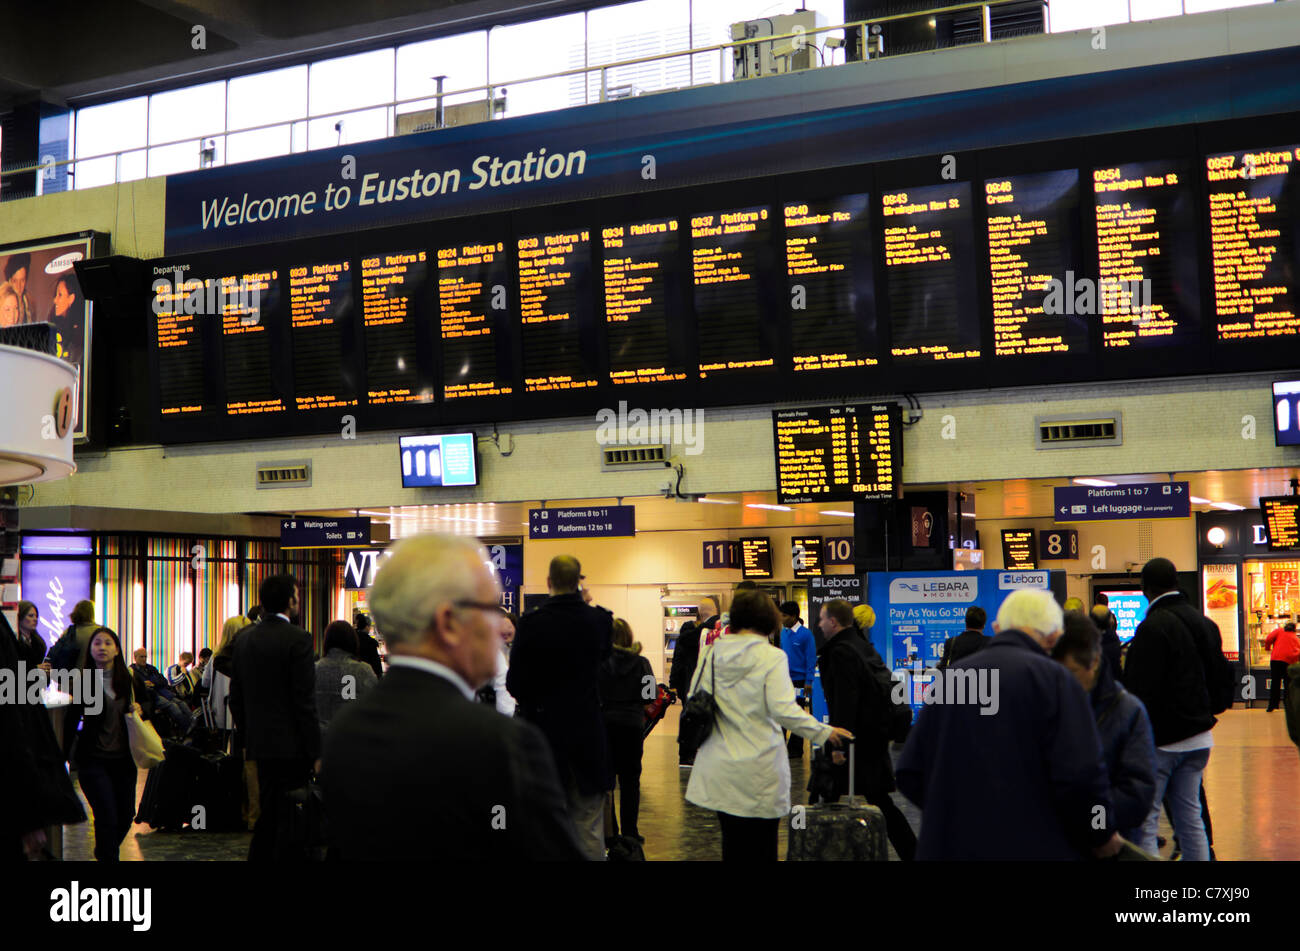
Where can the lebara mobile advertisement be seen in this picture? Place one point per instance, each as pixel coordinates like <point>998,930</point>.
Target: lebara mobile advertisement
<point>39,285</point>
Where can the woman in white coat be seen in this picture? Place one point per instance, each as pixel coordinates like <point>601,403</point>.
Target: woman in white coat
<point>742,771</point>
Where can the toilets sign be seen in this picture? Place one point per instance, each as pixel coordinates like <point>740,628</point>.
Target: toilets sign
<point>325,533</point>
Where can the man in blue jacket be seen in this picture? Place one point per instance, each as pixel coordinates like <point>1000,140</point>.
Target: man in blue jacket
<point>801,651</point>
<point>1020,777</point>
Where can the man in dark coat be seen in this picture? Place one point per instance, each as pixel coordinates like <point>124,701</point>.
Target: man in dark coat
<point>416,768</point>
<point>1112,651</point>
<point>853,679</point>
<point>686,654</point>
<point>968,641</point>
<point>1021,778</point>
<point>273,701</point>
<point>367,646</point>
<point>554,671</point>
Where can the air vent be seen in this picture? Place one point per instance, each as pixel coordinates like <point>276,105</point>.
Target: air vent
<point>275,475</point>
<point>1072,433</point>
<point>623,457</point>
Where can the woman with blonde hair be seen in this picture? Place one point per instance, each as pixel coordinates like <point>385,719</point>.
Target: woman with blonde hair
<point>10,307</point>
<point>216,683</point>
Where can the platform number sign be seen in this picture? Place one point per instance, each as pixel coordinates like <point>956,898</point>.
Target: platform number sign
<point>723,554</point>
<point>837,551</point>
<point>1058,544</point>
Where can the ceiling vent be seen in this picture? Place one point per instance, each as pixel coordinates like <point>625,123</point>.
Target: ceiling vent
<point>635,457</point>
<point>1063,432</point>
<point>276,475</point>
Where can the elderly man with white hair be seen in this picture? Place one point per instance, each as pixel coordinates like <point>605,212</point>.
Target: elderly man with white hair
<point>1026,782</point>
<point>416,769</point>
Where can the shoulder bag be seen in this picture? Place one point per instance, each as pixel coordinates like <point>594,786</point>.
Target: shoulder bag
<point>146,746</point>
<point>699,714</point>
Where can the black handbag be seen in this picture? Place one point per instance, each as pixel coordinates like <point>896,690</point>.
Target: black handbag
<point>699,715</point>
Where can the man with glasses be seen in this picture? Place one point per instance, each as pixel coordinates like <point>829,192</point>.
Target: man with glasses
<point>554,671</point>
<point>416,769</point>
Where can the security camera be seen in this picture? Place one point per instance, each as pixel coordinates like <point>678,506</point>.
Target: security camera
<point>834,43</point>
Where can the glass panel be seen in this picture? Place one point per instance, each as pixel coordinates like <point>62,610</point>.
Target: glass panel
<point>181,157</point>
<point>357,127</point>
<point>300,137</point>
<point>188,113</point>
<point>262,98</point>
<point>96,172</point>
<point>1155,9</point>
<point>1202,6</point>
<point>1084,14</point>
<point>133,165</point>
<point>347,82</point>
<point>533,49</point>
<point>462,59</point>
<point>258,144</point>
<point>112,127</point>
<point>633,31</point>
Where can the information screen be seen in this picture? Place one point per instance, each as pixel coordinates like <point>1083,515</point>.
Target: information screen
<point>930,269</point>
<point>320,305</point>
<point>247,344</point>
<point>828,262</point>
<point>391,286</point>
<point>445,460</point>
<point>178,337</point>
<point>639,274</point>
<point>471,297</point>
<point>1286,412</point>
<point>1253,243</point>
<point>838,453</point>
<point>756,558</point>
<point>1019,551</point>
<point>1146,255</point>
<point>1282,522</point>
<point>556,312</point>
<point>1033,248</point>
<point>806,555</point>
<point>729,251</point>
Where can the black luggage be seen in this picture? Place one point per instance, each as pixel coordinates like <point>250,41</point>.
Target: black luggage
<point>835,832</point>
<point>302,833</point>
<point>166,793</point>
<point>187,779</point>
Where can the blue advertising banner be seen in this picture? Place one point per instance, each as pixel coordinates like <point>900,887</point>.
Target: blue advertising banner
<point>508,561</point>
<point>674,140</point>
<point>1089,503</point>
<point>607,521</point>
<point>55,585</point>
<point>306,532</point>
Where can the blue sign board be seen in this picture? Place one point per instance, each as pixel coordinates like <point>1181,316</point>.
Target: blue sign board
<point>603,522</point>
<point>1089,503</point>
<point>508,561</point>
<point>312,532</point>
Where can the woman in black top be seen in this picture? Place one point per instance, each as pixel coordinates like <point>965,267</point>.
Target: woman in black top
<point>31,646</point>
<point>627,684</point>
<point>102,750</point>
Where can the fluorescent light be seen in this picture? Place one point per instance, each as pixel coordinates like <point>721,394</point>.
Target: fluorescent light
<point>833,512</point>
<point>774,508</point>
<point>1196,500</point>
<point>1228,506</point>
<point>1096,482</point>
<point>718,501</point>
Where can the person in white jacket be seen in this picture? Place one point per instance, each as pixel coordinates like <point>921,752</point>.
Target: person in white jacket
<point>742,771</point>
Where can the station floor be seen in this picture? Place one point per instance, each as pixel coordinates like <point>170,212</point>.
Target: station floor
<point>1251,783</point>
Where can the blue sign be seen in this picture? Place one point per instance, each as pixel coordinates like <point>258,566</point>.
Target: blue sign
<point>55,585</point>
<point>1129,608</point>
<point>1093,503</point>
<point>582,523</point>
<point>310,532</point>
<point>508,561</point>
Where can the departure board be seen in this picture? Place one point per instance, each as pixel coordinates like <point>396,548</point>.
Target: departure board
<point>1146,255</point>
<point>1019,549</point>
<point>1254,243</point>
<point>838,453</point>
<point>555,311</point>
<point>1281,521</point>
<point>1033,249</point>
<point>247,344</point>
<point>638,271</point>
<point>320,305</point>
<point>178,337</point>
<point>930,273</point>
<point>391,287</point>
<point>828,263</point>
<point>756,558</point>
<point>806,555</point>
<point>471,299</point>
<point>729,251</point>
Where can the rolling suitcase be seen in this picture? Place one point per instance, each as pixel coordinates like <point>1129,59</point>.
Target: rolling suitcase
<point>835,832</point>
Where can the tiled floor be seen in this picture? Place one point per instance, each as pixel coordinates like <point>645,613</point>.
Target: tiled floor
<point>1251,783</point>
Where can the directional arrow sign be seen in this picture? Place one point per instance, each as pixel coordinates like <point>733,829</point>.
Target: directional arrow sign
<point>1086,503</point>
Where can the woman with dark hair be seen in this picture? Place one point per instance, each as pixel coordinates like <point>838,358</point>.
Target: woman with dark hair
<point>742,771</point>
<point>624,681</point>
<point>31,646</point>
<point>368,647</point>
<point>101,749</point>
<point>340,677</point>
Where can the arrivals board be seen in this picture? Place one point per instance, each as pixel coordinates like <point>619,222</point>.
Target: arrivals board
<point>1281,522</point>
<point>838,453</point>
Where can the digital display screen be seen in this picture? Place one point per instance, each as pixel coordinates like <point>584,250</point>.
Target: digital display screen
<point>178,338</point>
<point>828,262</point>
<point>1130,609</point>
<point>471,303</point>
<point>1281,522</point>
<point>248,344</point>
<point>447,460</point>
<point>555,310</point>
<point>1033,250</point>
<point>391,286</point>
<point>1019,549</point>
<point>320,309</point>
<point>639,280</point>
<point>1286,412</point>
<point>838,453</point>
<point>930,273</point>
<point>729,252</point>
<point>806,555</point>
<point>1254,245</point>
<point>756,558</point>
<point>1146,255</point>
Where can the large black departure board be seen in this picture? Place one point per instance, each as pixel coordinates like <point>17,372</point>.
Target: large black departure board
<point>930,270</point>
<point>249,343</point>
<point>320,311</point>
<point>555,310</point>
<point>730,250</point>
<point>472,306</point>
<point>1032,224</point>
<point>838,453</point>
<point>832,295</point>
<point>179,340</point>
<point>640,284</point>
<point>1147,292</point>
<point>391,287</point>
<point>1254,243</point>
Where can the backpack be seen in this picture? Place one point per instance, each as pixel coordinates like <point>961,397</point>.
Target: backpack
<point>1219,679</point>
<point>63,655</point>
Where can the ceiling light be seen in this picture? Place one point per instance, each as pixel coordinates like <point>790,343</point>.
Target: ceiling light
<point>1216,536</point>
<point>1096,482</point>
<point>833,512</point>
<point>1228,506</point>
<point>1197,500</point>
<point>764,505</point>
<point>718,501</point>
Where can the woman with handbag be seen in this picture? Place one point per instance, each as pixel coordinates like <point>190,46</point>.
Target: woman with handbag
<point>742,770</point>
<point>101,749</point>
